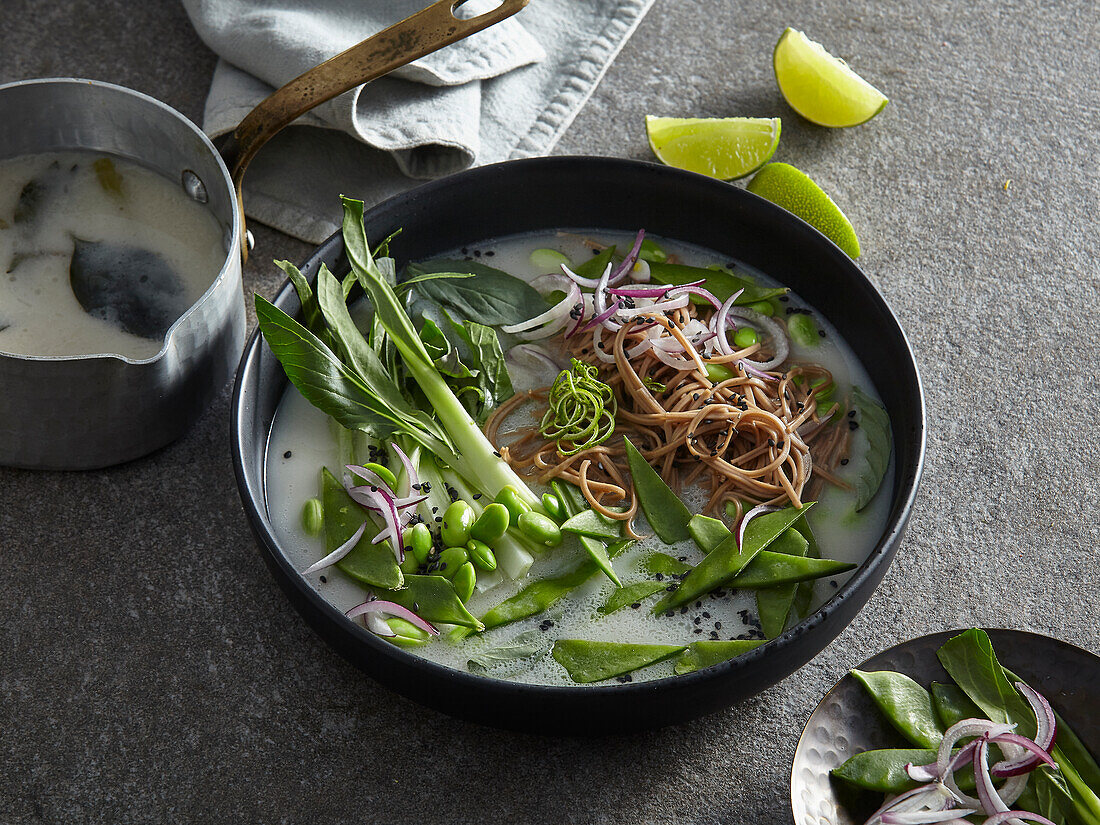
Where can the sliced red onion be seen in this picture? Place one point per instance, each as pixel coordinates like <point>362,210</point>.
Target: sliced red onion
<point>924,817</point>
<point>555,317</point>
<point>545,284</point>
<point>1007,816</point>
<point>994,801</point>
<point>946,764</point>
<point>752,369</point>
<point>603,316</point>
<point>338,553</point>
<point>923,797</point>
<point>1034,754</point>
<point>628,262</point>
<point>702,292</point>
<point>932,771</point>
<point>368,476</point>
<point>599,298</point>
<point>922,773</point>
<point>412,480</point>
<point>721,323</point>
<point>778,337</point>
<point>382,501</point>
<point>759,510</point>
<point>533,352</point>
<point>673,361</point>
<point>393,609</point>
<point>377,625</point>
<point>1046,729</point>
<point>645,345</point>
<point>651,309</point>
<point>580,280</point>
<point>643,291</point>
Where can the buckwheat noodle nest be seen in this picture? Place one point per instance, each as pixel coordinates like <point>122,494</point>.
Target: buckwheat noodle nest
<point>746,440</point>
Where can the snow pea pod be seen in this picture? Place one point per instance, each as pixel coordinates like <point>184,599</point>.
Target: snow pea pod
<point>906,705</point>
<point>588,661</point>
<point>630,594</point>
<point>666,514</point>
<point>804,596</point>
<point>573,502</point>
<point>664,564</point>
<point>408,634</point>
<point>884,770</point>
<point>433,598</point>
<point>538,596</point>
<point>708,652</point>
<point>372,564</point>
<point>773,604</point>
<point>592,524</point>
<point>725,561</point>
<point>952,705</point>
<point>707,532</point>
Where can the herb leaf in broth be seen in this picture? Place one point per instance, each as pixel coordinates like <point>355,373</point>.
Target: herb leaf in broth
<point>724,562</point>
<point>489,296</point>
<point>507,659</point>
<point>773,604</point>
<point>872,465</point>
<point>666,514</point>
<point>493,384</point>
<point>132,288</point>
<point>108,176</point>
<point>719,281</point>
<point>709,652</point>
<point>588,661</point>
<point>573,502</point>
<point>372,564</point>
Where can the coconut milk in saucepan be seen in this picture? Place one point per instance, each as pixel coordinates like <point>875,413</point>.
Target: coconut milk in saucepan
<point>98,255</point>
<point>302,440</point>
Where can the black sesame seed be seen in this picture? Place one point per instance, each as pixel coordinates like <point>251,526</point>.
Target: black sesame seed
<point>696,620</point>
<point>323,580</point>
<point>416,607</point>
<point>659,577</point>
<point>821,333</point>
<point>843,461</point>
<point>477,496</point>
<point>489,253</point>
<point>717,625</point>
<point>636,605</point>
<point>438,519</point>
<point>698,630</point>
<point>853,425</point>
<point>706,615</point>
<point>851,413</point>
<point>683,610</point>
<point>477,253</point>
<point>286,454</point>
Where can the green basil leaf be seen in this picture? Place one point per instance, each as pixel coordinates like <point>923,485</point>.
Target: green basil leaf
<point>719,281</point>
<point>871,466</point>
<point>489,297</point>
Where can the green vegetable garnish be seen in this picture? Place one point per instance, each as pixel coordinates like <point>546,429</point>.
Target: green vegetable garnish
<point>581,410</point>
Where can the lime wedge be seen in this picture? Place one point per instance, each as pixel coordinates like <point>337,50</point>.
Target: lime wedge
<point>792,189</point>
<point>821,87</point>
<point>724,148</point>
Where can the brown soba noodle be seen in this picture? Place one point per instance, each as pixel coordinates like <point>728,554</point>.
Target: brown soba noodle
<point>745,439</point>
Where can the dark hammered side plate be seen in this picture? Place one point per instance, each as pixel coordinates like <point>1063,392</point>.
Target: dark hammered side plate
<point>846,721</point>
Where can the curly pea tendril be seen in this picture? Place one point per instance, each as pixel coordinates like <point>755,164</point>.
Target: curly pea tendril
<point>581,410</point>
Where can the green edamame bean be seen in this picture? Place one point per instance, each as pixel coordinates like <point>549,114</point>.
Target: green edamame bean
<point>745,337</point>
<point>717,373</point>
<point>552,505</point>
<point>803,330</point>
<point>509,496</point>
<point>419,539</point>
<point>491,524</point>
<point>464,580</point>
<point>313,517</point>
<point>481,555</point>
<point>451,559</point>
<point>540,529</point>
<point>548,260</point>
<point>383,473</point>
<point>651,251</point>
<point>763,307</point>
<point>458,518</point>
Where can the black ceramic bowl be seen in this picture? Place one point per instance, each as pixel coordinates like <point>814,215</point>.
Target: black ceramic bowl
<point>601,193</point>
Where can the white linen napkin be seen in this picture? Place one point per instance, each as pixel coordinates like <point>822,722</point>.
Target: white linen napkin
<point>508,91</point>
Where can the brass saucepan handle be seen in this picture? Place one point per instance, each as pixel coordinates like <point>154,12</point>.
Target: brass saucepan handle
<point>423,33</point>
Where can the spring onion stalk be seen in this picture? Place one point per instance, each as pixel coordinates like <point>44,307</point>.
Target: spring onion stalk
<point>470,452</point>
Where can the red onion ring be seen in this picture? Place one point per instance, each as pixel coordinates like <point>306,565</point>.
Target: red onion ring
<point>774,330</point>
<point>628,262</point>
<point>660,307</point>
<point>338,553</point>
<point>393,609</point>
<point>603,316</point>
<point>1006,816</point>
<point>411,478</point>
<point>553,282</point>
<point>1046,729</point>
<point>554,318</point>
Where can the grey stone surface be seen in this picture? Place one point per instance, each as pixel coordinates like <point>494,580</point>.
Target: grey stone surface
<point>151,671</point>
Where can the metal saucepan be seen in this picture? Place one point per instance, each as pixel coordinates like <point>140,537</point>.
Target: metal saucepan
<point>83,412</point>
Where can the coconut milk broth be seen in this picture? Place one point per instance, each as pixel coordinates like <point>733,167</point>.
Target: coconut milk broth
<point>134,206</point>
<point>302,441</point>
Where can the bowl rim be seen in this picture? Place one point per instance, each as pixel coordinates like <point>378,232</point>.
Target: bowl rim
<point>234,239</point>
<point>884,547</point>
